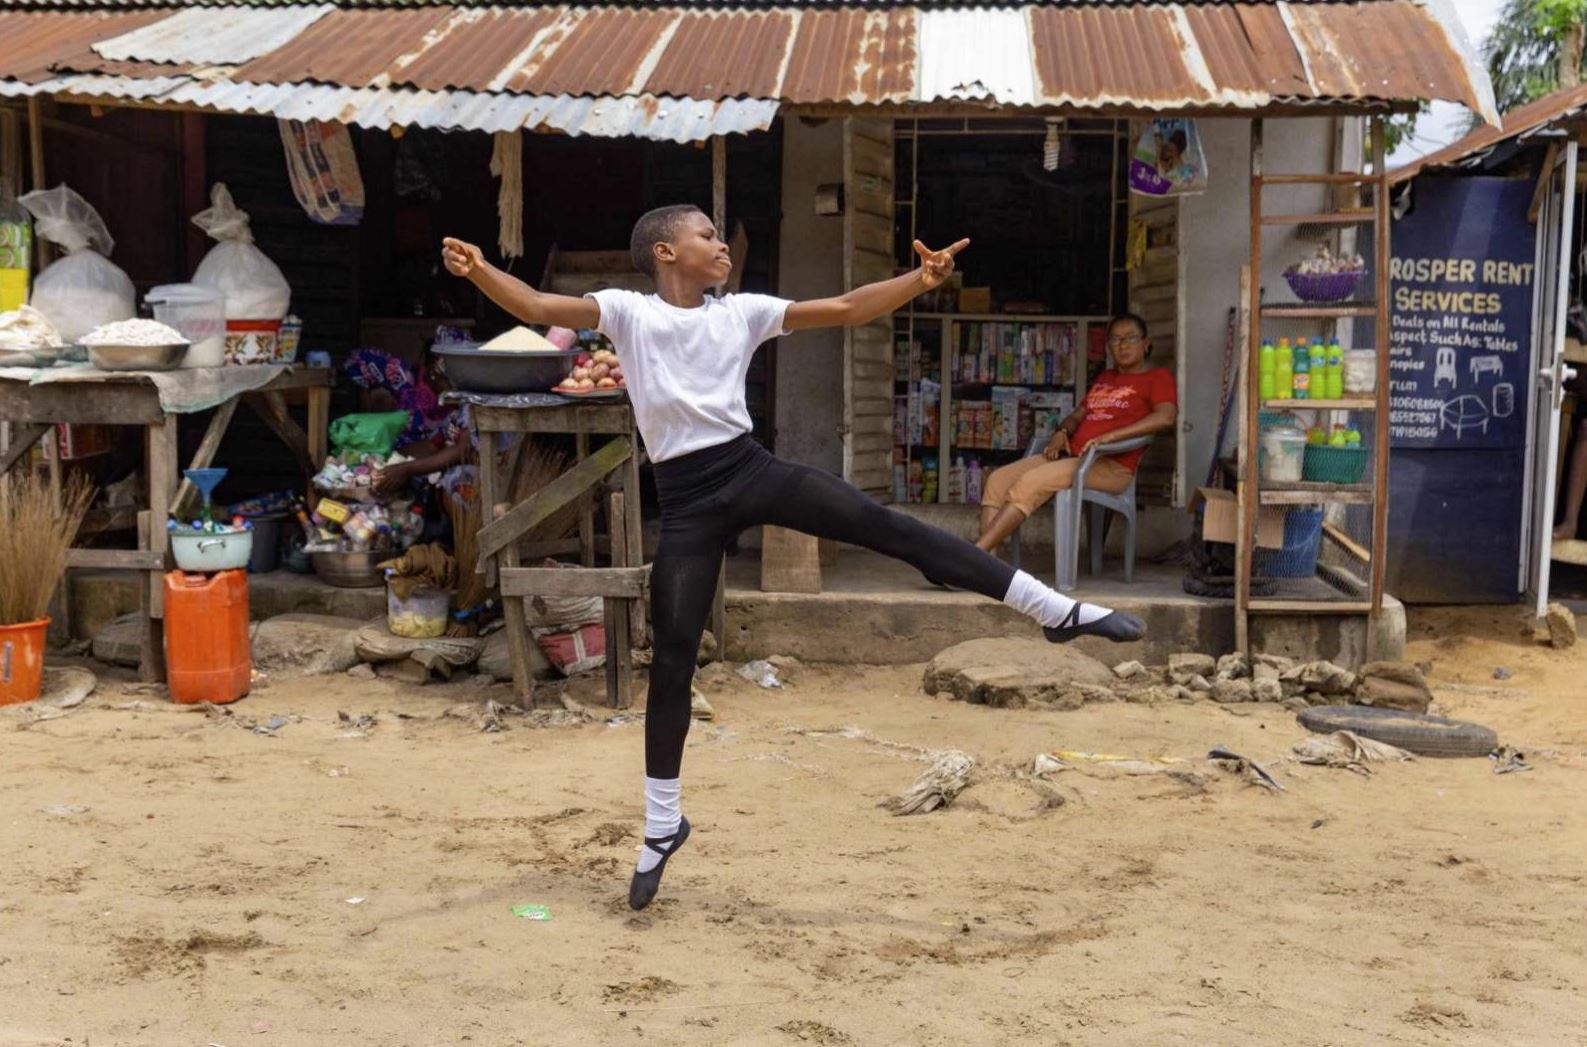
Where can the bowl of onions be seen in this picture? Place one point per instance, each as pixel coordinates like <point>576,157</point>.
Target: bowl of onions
<point>599,373</point>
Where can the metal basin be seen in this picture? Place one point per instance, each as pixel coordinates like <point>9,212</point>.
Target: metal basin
<point>137,357</point>
<point>477,370</point>
<point>351,570</point>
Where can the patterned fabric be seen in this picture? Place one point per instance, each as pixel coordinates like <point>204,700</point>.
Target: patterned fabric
<point>409,389</point>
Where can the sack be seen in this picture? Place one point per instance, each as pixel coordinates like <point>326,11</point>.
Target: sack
<point>578,651</point>
<point>252,283</point>
<point>1168,159</point>
<point>367,433</point>
<point>85,289</point>
<point>324,171</point>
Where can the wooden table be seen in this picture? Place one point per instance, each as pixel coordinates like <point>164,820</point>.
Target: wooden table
<point>132,400</point>
<point>624,585</point>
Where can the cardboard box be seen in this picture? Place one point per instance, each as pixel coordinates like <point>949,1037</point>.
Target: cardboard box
<point>1221,520</point>
<point>975,300</point>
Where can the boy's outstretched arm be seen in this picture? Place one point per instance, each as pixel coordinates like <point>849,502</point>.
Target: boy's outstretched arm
<point>515,296</point>
<point>864,304</point>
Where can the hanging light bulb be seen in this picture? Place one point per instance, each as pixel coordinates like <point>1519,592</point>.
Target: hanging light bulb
<point>1050,146</point>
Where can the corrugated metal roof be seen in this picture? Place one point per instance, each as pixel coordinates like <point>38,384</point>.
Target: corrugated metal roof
<point>1520,122</point>
<point>1124,56</point>
<point>31,43</point>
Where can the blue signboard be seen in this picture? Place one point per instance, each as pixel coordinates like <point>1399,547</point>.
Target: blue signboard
<point>1460,335</point>
<point>1462,279</point>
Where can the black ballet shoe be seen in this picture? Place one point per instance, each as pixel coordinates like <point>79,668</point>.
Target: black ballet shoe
<point>642,889</point>
<point>1118,626</point>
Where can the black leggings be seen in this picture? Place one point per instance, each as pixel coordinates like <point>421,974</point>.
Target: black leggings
<point>707,498</point>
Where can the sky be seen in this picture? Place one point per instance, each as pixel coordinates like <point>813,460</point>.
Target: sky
<point>1445,122</point>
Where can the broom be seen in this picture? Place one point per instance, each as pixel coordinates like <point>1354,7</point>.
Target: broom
<point>35,536</point>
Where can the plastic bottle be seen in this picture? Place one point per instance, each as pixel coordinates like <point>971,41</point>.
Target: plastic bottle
<point>1338,439</point>
<point>1316,435</point>
<point>1336,372</point>
<point>1353,437</point>
<point>1317,363</point>
<point>1302,378</point>
<point>972,483</point>
<point>1265,365</point>
<point>1283,371</point>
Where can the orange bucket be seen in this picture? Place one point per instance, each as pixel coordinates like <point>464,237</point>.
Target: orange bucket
<point>22,661</point>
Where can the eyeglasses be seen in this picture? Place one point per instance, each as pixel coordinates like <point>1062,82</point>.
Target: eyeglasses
<point>1114,343</point>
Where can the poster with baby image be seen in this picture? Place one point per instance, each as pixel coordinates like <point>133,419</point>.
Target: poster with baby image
<point>1168,159</point>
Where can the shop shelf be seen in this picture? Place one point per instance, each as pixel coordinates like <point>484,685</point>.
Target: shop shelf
<point>1339,178</point>
<point>1315,493</point>
<point>1302,311</point>
<point>1347,404</point>
<point>1327,218</point>
<point>1259,606</point>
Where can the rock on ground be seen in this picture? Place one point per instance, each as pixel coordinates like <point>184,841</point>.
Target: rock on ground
<point>1010,673</point>
<point>1322,677</point>
<point>1128,670</point>
<point>1230,692</point>
<point>1561,623</point>
<point>1394,685</point>
<point>305,644</point>
<point>1182,668</point>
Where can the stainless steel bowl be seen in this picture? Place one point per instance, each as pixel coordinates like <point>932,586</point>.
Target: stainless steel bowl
<point>477,370</point>
<point>137,357</point>
<point>351,570</point>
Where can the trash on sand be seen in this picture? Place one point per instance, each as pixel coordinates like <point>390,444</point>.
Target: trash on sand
<point>1067,758</point>
<point>356,901</point>
<point>944,780</point>
<point>1508,759</point>
<point>1501,673</point>
<point>1047,764</point>
<point>272,725</point>
<point>532,912</point>
<point>699,708</point>
<point>760,672</point>
<point>1348,750</point>
<point>64,810</point>
<point>1246,767</point>
<point>363,721</point>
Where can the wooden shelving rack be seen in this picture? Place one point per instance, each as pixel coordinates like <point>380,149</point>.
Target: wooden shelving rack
<point>1324,595</point>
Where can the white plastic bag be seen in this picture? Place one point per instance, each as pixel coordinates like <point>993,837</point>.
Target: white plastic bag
<point>85,289</point>
<point>252,283</point>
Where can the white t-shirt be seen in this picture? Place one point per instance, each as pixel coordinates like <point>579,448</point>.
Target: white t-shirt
<point>686,367</point>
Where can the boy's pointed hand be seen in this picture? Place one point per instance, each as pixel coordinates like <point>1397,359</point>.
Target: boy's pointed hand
<point>937,266</point>
<point>461,259</point>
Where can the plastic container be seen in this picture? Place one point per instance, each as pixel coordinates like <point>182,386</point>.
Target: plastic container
<point>199,313</point>
<point>22,661</point>
<point>422,616</point>
<point>1361,372</point>
<point>1326,464</point>
<point>211,551</point>
<point>1282,455</point>
<point>206,637</point>
<point>253,341</point>
<point>287,346</point>
<point>266,554</point>
<point>1302,541</point>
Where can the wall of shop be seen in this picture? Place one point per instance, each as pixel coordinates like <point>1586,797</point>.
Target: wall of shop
<point>809,375</point>
<point>1215,241</point>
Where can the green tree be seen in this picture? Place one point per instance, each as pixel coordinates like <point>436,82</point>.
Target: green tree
<point>1535,48</point>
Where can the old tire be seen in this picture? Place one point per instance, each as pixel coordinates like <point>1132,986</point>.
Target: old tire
<point>1421,733</point>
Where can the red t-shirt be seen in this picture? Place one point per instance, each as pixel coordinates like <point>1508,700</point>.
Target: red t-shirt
<point>1116,400</point>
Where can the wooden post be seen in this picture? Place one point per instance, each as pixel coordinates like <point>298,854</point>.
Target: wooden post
<point>719,185</point>
<point>581,451</point>
<point>1244,541</point>
<point>1247,495</point>
<point>319,422</point>
<point>1380,450</point>
<point>160,457</point>
<point>187,494</point>
<point>36,154</point>
<point>523,681</point>
<point>618,614</point>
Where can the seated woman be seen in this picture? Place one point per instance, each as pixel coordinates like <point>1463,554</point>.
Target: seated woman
<point>1130,399</point>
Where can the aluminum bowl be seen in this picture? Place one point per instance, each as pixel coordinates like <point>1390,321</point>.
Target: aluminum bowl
<point>137,357</point>
<point>351,570</point>
<point>477,370</point>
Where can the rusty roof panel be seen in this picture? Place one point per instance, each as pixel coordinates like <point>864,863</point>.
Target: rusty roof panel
<point>604,47</point>
<point>351,48</point>
<point>728,55</point>
<point>1380,50</point>
<point>1247,49</point>
<point>473,48</point>
<point>33,43</point>
<point>852,56</point>
<point>1519,123</point>
<point>1113,55</point>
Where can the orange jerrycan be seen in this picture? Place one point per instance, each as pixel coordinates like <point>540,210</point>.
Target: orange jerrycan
<point>206,636</point>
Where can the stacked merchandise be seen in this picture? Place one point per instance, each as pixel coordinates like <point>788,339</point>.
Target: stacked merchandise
<point>1034,354</point>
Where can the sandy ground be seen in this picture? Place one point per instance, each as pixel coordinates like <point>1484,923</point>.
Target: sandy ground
<point>335,885</point>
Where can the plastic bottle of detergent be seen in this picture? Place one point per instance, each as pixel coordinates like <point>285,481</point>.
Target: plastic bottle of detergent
<point>1302,369</point>
<point>1266,363</point>
<point>1317,363</point>
<point>1283,371</point>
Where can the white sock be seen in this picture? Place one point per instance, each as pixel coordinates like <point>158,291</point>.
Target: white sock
<point>1048,606</point>
<point>662,816</point>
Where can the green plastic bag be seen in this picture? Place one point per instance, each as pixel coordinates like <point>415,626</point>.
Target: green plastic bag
<point>368,433</point>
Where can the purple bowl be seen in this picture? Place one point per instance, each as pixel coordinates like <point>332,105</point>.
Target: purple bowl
<point>1323,287</point>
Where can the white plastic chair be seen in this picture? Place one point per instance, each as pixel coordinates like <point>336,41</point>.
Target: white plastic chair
<point>1067,506</point>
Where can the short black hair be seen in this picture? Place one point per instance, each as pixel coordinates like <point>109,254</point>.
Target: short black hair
<point>659,226</point>
<point>1133,318</point>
